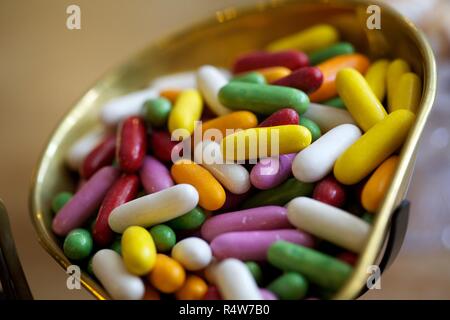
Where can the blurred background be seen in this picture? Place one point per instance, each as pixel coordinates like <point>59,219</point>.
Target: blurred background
<point>45,68</point>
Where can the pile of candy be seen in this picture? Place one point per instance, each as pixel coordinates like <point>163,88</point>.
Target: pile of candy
<point>286,223</point>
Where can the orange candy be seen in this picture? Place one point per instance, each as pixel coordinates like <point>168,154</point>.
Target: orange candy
<point>235,120</point>
<point>167,275</point>
<point>170,94</point>
<point>193,289</point>
<point>274,73</point>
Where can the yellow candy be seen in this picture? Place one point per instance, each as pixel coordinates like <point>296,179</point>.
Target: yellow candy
<point>376,78</point>
<point>261,142</point>
<point>359,99</point>
<point>187,109</point>
<point>394,71</point>
<point>373,147</point>
<point>138,250</point>
<point>407,95</point>
<point>274,73</point>
<point>315,38</point>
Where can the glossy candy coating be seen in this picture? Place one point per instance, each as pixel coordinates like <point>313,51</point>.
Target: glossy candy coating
<point>193,253</point>
<point>156,111</point>
<point>291,59</point>
<point>289,286</point>
<point>235,120</point>
<point>78,244</point>
<point>313,128</point>
<point>138,250</point>
<point>194,288</point>
<point>162,145</point>
<point>307,79</point>
<point>131,144</point>
<point>334,50</point>
<point>394,71</point>
<point>60,200</point>
<point>408,93</point>
<point>101,156</point>
<point>167,275</point>
<point>209,81</point>
<point>154,175</point>
<point>376,78</point>
<point>271,172</point>
<point>281,117</point>
<point>188,221</point>
<point>328,117</point>
<point>186,110</point>
<point>331,192</point>
<point>163,236</point>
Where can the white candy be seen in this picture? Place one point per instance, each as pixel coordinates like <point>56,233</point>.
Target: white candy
<point>209,81</point>
<point>235,282</point>
<point>110,270</point>
<point>83,146</point>
<point>154,208</point>
<point>327,117</point>
<point>180,80</point>
<point>329,223</point>
<point>234,177</point>
<point>317,160</point>
<point>126,106</point>
<point>193,253</point>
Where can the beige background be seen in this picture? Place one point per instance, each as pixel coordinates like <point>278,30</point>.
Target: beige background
<point>45,68</point>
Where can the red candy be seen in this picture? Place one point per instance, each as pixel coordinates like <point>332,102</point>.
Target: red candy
<point>307,79</point>
<point>348,257</point>
<point>162,145</point>
<point>281,117</point>
<point>291,59</point>
<point>132,144</point>
<point>330,191</point>
<point>99,157</point>
<point>123,190</point>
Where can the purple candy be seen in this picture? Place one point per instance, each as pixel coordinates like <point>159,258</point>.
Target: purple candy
<point>85,202</point>
<point>260,218</point>
<point>271,172</point>
<point>267,295</point>
<point>253,245</point>
<point>154,175</point>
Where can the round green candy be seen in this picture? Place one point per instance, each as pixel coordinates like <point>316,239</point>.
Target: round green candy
<point>335,103</point>
<point>312,127</point>
<point>156,111</point>
<point>60,200</point>
<point>191,220</point>
<point>255,270</point>
<point>337,49</point>
<point>250,77</point>
<point>117,246</point>
<point>164,237</point>
<point>78,244</point>
<point>289,286</point>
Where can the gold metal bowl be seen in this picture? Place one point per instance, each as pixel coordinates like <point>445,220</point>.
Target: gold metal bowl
<point>217,41</point>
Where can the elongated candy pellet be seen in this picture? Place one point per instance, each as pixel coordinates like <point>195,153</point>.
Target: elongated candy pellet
<point>281,117</point>
<point>250,77</point>
<point>274,73</point>
<point>291,59</point>
<point>131,144</point>
<point>376,78</point>
<point>209,81</point>
<point>394,71</point>
<point>102,155</point>
<point>235,120</point>
<point>312,127</point>
<point>337,49</point>
<point>154,175</point>
<point>307,79</point>
<point>328,117</point>
<point>187,109</point>
<point>408,92</point>
<point>271,172</point>
<point>83,146</point>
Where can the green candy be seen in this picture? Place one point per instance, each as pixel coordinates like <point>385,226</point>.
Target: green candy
<point>191,220</point>
<point>60,200</point>
<point>335,103</point>
<point>89,268</point>
<point>78,244</point>
<point>250,77</point>
<point>338,49</point>
<point>312,127</point>
<point>321,269</point>
<point>280,195</point>
<point>289,286</point>
<point>368,217</point>
<point>262,99</point>
<point>255,270</point>
<point>164,237</point>
<point>117,245</point>
<point>156,111</point>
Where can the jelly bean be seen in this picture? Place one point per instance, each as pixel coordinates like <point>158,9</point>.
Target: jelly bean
<point>376,78</point>
<point>162,145</point>
<point>212,294</point>
<point>164,237</point>
<point>138,250</point>
<point>194,288</point>
<point>235,282</point>
<point>234,177</point>
<point>131,144</point>
<point>154,208</point>
<point>307,79</point>
<point>331,192</point>
<point>289,286</point>
<point>272,74</point>
<point>359,99</point>
<point>291,59</point>
<point>312,127</point>
<point>186,110</point>
<point>83,146</point>
<point>156,111</point>
<point>78,244</point>
<point>179,80</point>
<point>111,272</point>
<point>373,147</point>
<point>255,270</point>
<point>189,221</point>
<point>263,99</point>
<point>331,67</point>
<point>335,103</point>
<point>378,184</point>
<point>209,82</point>
<point>167,275</point>
<point>250,77</point>
<point>170,94</point>
<point>348,257</point>
<point>260,218</point>
<point>394,71</point>
<point>316,161</point>
<point>324,54</point>
<point>317,267</point>
<point>281,117</point>
<point>249,143</point>
<point>151,293</point>
<point>117,245</point>
<point>271,172</point>
<point>193,253</point>
<point>253,245</point>
<point>85,202</point>
<point>154,175</point>
<point>234,120</point>
<point>329,223</point>
<point>130,105</point>
<point>60,200</point>
<point>102,155</point>
<point>314,38</point>
<point>328,117</point>
<point>280,195</point>
<point>123,190</point>
<point>407,94</point>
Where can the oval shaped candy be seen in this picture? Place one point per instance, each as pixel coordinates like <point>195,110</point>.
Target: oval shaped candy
<point>291,59</point>
<point>328,117</point>
<point>307,79</point>
<point>394,71</point>
<point>324,54</point>
<point>281,117</point>
<point>102,155</point>
<point>209,81</point>
<point>138,250</point>
<point>167,275</point>
<point>272,74</point>
<point>131,144</point>
<point>193,253</point>
<point>271,172</point>
<point>154,175</point>
<point>408,92</point>
<point>376,78</point>
<point>186,111</point>
<point>162,145</point>
<point>156,111</point>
